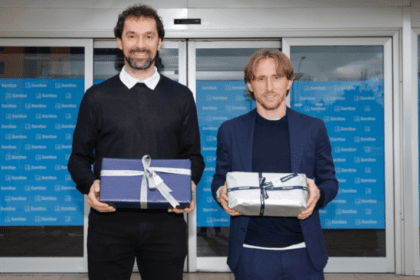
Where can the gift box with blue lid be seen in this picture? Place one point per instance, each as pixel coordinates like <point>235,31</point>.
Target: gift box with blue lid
<point>146,183</point>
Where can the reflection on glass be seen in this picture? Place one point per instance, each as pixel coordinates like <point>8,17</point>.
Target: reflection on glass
<point>337,63</point>
<point>212,241</point>
<point>109,62</point>
<point>220,96</point>
<point>343,86</point>
<point>41,210</point>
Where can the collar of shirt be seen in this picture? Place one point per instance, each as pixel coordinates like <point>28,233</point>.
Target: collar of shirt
<point>130,82</point>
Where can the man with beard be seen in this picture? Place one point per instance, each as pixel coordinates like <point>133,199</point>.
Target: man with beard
<point>275,138</point>
<point>135,113</point>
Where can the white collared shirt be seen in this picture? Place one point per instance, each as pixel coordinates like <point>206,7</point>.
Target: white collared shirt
<point>130,82</point>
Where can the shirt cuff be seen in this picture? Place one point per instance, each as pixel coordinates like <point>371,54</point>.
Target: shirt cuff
<point>218,194</point>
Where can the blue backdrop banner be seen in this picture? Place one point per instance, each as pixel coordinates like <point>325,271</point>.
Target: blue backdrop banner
<point>217,101</point>
<point>37,124</point>
<point>353,113</point>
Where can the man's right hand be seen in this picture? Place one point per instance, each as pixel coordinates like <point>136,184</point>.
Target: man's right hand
<point>93,199</point>
<point>224,202</point>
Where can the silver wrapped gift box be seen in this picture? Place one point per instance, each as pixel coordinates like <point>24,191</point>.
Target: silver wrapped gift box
<point>267,194</point>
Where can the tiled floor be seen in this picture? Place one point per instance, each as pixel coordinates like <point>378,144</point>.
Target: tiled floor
<point>204,276</point>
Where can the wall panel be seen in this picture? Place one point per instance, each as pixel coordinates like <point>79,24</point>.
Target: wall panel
<point>99,23</point>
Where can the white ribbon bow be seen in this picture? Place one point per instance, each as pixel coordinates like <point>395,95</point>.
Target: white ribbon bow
<point>150,180</point>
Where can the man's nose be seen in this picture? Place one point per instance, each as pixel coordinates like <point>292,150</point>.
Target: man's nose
<point>140,43</point>
<point>269,85</point>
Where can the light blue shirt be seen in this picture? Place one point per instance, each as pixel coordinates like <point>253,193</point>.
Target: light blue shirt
<point>130,82</point>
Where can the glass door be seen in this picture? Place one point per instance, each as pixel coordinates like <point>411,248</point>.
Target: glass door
<point>348,84</point>
<point>42,215</point>
<point>108,60</point>
<point>216,77</point>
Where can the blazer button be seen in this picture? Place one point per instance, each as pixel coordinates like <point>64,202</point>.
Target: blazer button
<point>243,230</point>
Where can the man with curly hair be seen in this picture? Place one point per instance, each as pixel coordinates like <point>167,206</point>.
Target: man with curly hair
<point>132,114</point>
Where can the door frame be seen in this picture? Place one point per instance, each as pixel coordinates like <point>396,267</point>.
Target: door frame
<point>372,264</point>
<point>411,195</point>
<point>394,153</point>
<point>181,45</point>
<point>213,264</point>
<point>54,264</point>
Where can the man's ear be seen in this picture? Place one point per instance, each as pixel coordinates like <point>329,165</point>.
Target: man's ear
<point>289,84</point>
<point>159,44</point>
<point>119,42</point>
<point>249,87</point>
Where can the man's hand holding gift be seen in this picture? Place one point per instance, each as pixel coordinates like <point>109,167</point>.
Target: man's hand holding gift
<point>314,196</point>
<point>190,208</point>
<point>93,199</point>
<point>224,201</point>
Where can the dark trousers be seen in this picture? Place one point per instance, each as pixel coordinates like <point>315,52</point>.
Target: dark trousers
<point>160,249</point>
<point>257,264</point>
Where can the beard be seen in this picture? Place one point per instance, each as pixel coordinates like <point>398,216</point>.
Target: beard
<point>269,106</point>
<point>140,64</point>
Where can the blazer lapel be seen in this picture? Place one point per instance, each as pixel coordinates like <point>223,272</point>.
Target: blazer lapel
<point>245,138</point>
<point>298,137</point>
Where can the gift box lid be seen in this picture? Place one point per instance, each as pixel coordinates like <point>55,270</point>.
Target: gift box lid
<point>121,190</point>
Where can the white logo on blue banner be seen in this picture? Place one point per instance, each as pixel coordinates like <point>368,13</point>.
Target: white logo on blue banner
<point>38,117</point>
<point>217,101</point>
<point>353,113</point>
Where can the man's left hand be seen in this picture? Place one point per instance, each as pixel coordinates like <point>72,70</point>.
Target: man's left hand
<point>313,198</point>
<point>190,208</point>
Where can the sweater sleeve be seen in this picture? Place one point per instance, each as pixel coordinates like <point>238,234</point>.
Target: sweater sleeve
<point>84,140</point>
<point>190,146</point>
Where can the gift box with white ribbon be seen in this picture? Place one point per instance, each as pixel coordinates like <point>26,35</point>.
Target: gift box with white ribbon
<point>146,183</point>
<point>267,194</point>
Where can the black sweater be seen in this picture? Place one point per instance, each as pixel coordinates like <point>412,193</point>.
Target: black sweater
<point>271,153</point>
<point>118,122</point>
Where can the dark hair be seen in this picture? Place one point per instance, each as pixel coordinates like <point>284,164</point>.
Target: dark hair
<point>138,11</point>
<point>284,66</point>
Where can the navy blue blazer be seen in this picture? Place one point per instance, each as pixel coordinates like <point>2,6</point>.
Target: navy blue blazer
<point>310,154</point>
